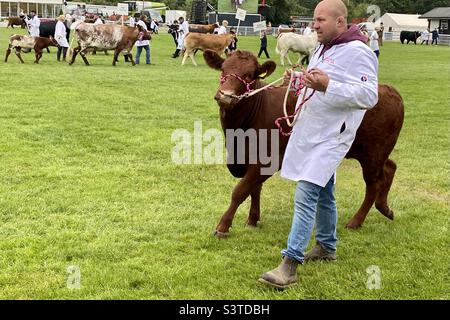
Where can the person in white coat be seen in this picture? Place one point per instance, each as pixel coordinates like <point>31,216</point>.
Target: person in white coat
<point>61,37</point>
<point>308,30</point>
<point>33,24</point>
<point>343,74</point>
<point>223,28</point>
<point>374,42</point>
<point>183,30</point>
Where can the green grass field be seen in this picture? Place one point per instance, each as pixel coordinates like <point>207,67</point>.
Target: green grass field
<point>86,179</point>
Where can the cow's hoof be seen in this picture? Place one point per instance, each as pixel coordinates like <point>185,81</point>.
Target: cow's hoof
<point>353,225</point>
<point>252,225</point>
<point>221,235</point>
<point>389,214</point>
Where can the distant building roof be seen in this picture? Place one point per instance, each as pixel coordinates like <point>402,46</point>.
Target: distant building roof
<point>437,13</point>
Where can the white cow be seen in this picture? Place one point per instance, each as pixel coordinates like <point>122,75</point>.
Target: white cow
<point>304,45</point>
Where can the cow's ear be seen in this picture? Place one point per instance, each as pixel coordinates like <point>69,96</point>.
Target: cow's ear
<point>213,60</point>
<point>266,69</point>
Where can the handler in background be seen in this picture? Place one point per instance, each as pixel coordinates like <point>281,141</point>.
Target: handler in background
<point>61,38</point>
<point>343,73</point>
<point>33,24</point>
<point>183,30</point>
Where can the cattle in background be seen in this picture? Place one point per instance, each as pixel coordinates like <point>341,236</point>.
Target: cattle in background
<point>201,28</point>
<point>16,21</point>
<point>19,42</point>
<point>303,45</point>
<point>409,36</point>
<point>203,41</point>
<point>107,37</point>
<point>375,138</point>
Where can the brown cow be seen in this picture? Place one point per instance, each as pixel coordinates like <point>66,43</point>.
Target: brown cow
<point>203,28</point>
<point>16,21</point>
<point>200,41</point>
<point>375,138</point>
<point>20,42</point>
<point>107,37</point>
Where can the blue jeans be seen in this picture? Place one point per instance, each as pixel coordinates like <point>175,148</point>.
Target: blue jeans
<point>312,203</point>
<point>147,53</point>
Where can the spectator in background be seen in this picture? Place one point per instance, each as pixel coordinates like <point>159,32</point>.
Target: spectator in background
<point>380,34</point>
<point>223,28</point>
<point>143,44</point>
<point>233,45</point>
<point>132,22</point>
<point>263,47</point>
<point>154,25</point>
<point>373,42</point>
<point>98,20</point>
<point>435,35</point>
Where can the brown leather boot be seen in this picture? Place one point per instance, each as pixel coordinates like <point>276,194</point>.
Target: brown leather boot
<point>282,277</point>
<point>320,253</point>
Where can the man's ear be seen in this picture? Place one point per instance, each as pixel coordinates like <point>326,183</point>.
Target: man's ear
<point>266,69</point>
<point>213,59</point>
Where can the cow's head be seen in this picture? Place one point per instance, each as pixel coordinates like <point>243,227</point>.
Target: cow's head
<point>53,42</point>
<point>144,34</point>
<point>241,72</point>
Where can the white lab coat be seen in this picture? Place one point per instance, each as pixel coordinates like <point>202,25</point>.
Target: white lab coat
<point>132,22</point>
<point>374,45</point>
<point>60,34</point>
<point>222,30</point>
<point>34,25</point>
<point>317,146</point>
<point>144,42</point>
<point>98,21</point>
<point>182,31</point>
<point>307,31</point>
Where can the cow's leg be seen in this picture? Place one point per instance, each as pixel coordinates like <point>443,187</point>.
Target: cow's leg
<point>282,55</point>
<point>193,59</point>
<point>48,50</point>
<point>254,214</point>
<point>18,54</point>
<point>74,54</point>
<point>289,59</point>
<point>185,56</point>
<point>243,189</point>
<point>8,52</point>
<point>116,56</point>
<point>83,56</point>
<point>373,176</point>
<point>38,55</point>
<point>381,202</point>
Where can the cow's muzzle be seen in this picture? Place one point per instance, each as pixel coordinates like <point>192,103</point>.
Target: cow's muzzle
<point>226,98</point>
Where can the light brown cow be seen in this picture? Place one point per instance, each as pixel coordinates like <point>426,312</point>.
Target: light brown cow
<point>203,41</point>
<point>202,28</point>
<point>19,42</point>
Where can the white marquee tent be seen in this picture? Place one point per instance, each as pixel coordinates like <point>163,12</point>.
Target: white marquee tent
<point>398,22</point>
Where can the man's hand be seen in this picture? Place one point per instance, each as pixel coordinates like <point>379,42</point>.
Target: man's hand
<point>317,79</point>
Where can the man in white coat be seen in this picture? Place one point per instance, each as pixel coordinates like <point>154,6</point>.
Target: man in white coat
<point>344,74</point>
<point>33,24</point>
<point>61,37</point>
<point>183,30</point>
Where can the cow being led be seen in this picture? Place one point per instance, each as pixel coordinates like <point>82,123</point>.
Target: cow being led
<point>374,142</point>
<point>19,42</point>
<point>107,37</point>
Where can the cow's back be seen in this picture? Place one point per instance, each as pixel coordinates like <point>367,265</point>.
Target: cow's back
<point>206,41</point>
<point>102,36</point>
